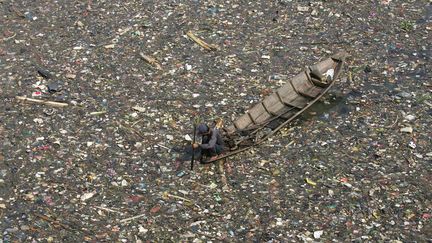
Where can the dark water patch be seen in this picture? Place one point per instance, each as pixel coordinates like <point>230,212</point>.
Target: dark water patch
<point>321,109</point>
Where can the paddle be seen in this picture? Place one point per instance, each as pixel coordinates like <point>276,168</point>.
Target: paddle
<point>193,143</point>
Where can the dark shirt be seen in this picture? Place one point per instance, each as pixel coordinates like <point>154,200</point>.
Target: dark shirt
<point>209,141</point>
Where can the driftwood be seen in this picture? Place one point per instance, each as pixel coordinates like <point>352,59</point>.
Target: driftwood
<point>43,102</point>
<point>200,42</point>
<point>132,218</point>
<point>164,195</point>
<point>168,195</point>
<point>108,209</point>
<point>150,60</point>
<point>64,225</point>
<point>96,113</point>
<point>52,221</point>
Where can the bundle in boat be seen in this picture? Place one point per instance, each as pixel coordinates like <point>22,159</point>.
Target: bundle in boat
<point>286,103</point>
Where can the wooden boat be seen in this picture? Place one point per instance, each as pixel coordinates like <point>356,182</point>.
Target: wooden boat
<point>275,111</point>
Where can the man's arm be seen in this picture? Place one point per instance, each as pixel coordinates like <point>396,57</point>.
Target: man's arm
<point>212,142</point>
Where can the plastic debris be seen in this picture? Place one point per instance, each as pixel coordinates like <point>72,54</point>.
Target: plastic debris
<point>310,182</point>
<point>87,196</point>
<point>407,129</point>
<point>317,234</point>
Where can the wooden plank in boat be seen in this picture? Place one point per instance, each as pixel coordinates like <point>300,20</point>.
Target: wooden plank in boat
<point>323,66</point>
<point>290,97</point>
<point>243,121</point>
<point>303,86</point>
<point>231,129</point>
<point>289,113</point>
<point>340,56</point>
<point>259,114</point>
<point>273,104</point>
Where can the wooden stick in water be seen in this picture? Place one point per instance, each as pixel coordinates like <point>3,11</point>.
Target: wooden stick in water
<point>43,102</point>
<point>200,42</point>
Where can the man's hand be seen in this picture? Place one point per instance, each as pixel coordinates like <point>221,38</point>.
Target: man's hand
<point>195,145</point>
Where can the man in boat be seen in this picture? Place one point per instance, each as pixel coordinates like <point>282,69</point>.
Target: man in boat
<point>212,143</point>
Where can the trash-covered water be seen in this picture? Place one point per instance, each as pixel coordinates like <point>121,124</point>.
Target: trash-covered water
<point>97,159</point>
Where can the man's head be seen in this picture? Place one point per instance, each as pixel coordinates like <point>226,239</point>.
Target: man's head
<point>202,129</point>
